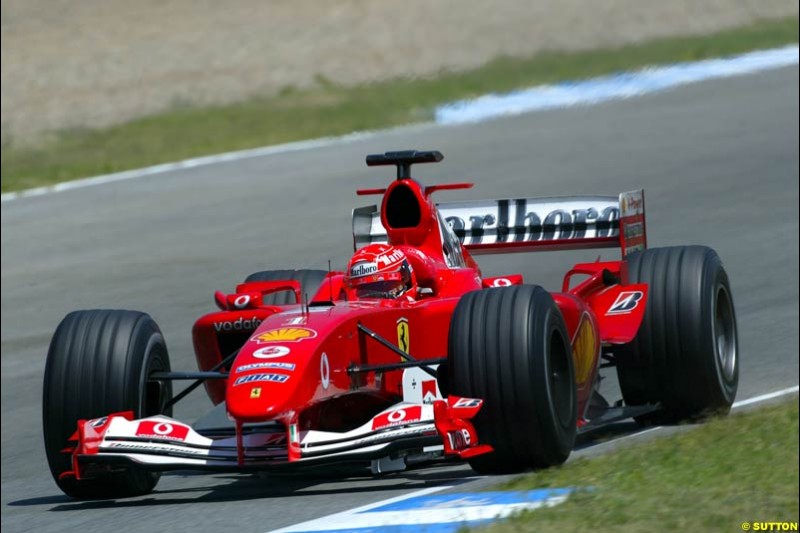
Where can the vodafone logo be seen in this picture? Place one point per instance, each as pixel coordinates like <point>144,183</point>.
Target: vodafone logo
<point>240,324</point>
<point>242,301</point>
<point>162,430</point>
<point>271,352</point>
<point>502,282</point>
<point>459,439</point>
<point>325,371</point>
<point>398,417</point>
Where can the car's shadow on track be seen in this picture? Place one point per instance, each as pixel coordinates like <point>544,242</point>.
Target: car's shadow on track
<point>606,433</point>
<point>243,487</point>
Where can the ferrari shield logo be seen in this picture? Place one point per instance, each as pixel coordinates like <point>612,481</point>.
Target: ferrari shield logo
<point>402,334</point>
<point>255,392</point>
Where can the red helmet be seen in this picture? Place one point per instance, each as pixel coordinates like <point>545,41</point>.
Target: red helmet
<point>380,271</point>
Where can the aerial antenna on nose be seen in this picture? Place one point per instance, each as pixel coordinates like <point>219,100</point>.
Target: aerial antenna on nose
<point>330,280</point>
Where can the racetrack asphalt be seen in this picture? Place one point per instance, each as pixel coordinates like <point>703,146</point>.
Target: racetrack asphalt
<point>718,161</point>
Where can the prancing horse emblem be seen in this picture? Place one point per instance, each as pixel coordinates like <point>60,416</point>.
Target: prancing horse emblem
<point>402,334</point>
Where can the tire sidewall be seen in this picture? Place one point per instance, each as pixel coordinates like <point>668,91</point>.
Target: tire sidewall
<point>727,386</point>
<point>501,341</point>
<point>674,359</point>
<point>555,327</point>
<point>155,359</point>
<point>89,353</point>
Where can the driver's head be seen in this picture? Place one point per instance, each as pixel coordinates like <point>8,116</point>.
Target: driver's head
<point>380,271</point>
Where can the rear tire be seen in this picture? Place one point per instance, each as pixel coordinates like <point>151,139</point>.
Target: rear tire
<point>509,346</point>
<point>310,282</point>
<point>685,355</point>
<point>97,364</point>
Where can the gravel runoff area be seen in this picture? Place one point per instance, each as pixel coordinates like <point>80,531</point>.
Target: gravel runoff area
<point>94,63</point>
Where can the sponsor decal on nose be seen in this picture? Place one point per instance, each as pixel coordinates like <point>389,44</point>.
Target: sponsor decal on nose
<point>240,324</point>
<point>286,335</point>
<point>271,352</point>
<point>254,378</point>
<point>259,366</point>
<point>325,371</point>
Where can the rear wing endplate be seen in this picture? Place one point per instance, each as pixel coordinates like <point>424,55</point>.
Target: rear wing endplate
<point>530,224</point>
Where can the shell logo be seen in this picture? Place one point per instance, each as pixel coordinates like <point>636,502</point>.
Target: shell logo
<point>286,335</point>
<point>584,351</point>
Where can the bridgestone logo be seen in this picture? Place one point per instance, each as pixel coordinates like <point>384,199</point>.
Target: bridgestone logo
<point>625,303</point>
<point>363,269</point>
<point>152,447</point>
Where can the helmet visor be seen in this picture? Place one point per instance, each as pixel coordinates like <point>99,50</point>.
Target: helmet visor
<point>381,289</point>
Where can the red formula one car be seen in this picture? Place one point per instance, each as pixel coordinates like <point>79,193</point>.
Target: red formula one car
<point>409,355</point>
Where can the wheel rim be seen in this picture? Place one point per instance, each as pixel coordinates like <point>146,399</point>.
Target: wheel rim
<point>156,392</point>
<point>154,398</point>
<point>725,334</point>
<point>559,377</point>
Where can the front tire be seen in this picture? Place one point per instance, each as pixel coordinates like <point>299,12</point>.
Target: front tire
<point>509,346</point>
<point>686,353</point>
<point>97,364</point>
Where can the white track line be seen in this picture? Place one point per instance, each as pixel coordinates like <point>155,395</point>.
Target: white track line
<point>204,161</point>
<point>736,405</point>
<point>420,517</point>
<point>613,87</point>
<point>567,94</point>
<point>768,396</point>
<point>337,517</point>
<point>344,514</point>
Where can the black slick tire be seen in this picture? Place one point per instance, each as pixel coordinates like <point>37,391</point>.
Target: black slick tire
<point>509,346</point>
<point>686,353</point>
<point>97,364</point>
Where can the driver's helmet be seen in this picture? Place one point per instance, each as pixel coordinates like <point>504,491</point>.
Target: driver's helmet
<point>380,271</point>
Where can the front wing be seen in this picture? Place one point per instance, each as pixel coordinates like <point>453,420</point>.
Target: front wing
<point>404,431</point>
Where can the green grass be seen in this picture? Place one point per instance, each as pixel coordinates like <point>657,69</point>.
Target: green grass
<point>331,110</point>
<point>743,468</point>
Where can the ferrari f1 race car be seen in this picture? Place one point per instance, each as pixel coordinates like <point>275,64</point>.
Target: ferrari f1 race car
<point>409,355</point>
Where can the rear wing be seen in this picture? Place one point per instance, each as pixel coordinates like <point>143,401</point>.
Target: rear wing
<point>530,224</point>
